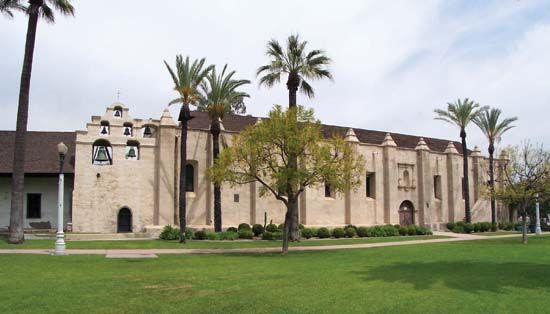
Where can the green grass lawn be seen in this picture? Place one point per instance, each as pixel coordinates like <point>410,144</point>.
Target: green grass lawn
<point>496,233</point>
<point>484,276</point>
<point>159,244</point>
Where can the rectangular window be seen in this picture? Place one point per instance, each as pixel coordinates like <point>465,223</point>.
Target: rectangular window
<point>236,198</point>
<point>34,205</point>
<point>437,187</point>
<point>370,182</point>
<point>328,192</point>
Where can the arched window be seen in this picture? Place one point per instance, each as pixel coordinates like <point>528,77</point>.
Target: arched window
<point>406,178</point>
<point>437,187</point>
<point>102,153</point>
<point>127,129</point>
<point>117,112</point>
<point>124,220</point>
<point>148,131</point>
<point>104,129</point>
<point>132,150</point>
<point>189,178</point>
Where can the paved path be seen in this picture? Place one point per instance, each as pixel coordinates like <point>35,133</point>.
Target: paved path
<point>151,253</point>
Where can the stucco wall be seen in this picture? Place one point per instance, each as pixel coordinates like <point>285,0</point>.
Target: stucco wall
<point>47,186</point>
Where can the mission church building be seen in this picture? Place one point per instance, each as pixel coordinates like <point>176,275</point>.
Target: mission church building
<point>123,175</point>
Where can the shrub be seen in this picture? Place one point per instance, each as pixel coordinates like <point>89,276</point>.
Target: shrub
<point>257,229</point>
<point>231,229</point>
<point>508,226</point>
<point>501,225</point>
<point>281,227</point>
<point>301,227</point>
<point>245,234</point>
<point>396,226</point>
<point>421,230</point>
<point>362,231</point>
<point>458,229</point>
<point>228,235</point>
<point>375,231</point>
<point>200,235</point>
<point>350,232</point>
<point>244,226</point>
<point>313,232</point>
<point>477,227</point>
<point>350,226</point>
<point>268,235</point>
<point>271,228</point>
<point>390,231</point>
<point>323,233</point>
<point>451,225</point>
<point>494,227</point>
<point>169,233</point>
<point>485,226</point>
<point>307,233</point>
<point>211,235</point>
<point>468,228</point>
<point>188,233</point>
<point>411,230</point>
<point>338,233</point>
<point>403,230</point>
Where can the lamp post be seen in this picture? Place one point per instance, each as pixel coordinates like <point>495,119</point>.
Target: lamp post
<point>537,209</point>
<point>60,236</point>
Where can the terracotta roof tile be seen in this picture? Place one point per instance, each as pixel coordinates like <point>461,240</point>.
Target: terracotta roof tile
<point>41,152</point>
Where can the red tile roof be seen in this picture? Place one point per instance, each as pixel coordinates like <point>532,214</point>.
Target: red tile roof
<point>237,123</point>
<point>41,152</point>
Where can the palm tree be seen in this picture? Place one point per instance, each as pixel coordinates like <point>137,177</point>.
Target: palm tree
<point>7,6</point>
<point>490,124</point>
<point>299,66</point>
<point>221,98</point>
<point>35,9</point>
<point>461,113</point>
<point>187,79</point>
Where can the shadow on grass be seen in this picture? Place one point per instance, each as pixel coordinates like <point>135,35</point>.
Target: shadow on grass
<point>468,276</point>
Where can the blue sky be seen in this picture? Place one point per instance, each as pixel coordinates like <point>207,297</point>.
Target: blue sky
<point>393,61</point>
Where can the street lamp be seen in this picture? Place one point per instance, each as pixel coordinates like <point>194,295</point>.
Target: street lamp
<point>60,236</point>
<point>537,208</point>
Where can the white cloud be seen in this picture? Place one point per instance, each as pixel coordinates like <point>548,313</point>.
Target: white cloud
<point>393,62</point>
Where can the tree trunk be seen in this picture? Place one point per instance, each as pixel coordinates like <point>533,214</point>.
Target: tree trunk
<point>16,234</point>
<point>215,130</point>
<point>466,186</point>
<point>492,183</point>
<point>286,229</point>
<point>184,117</point>
<point>524,225</point>
<point>294,230</point>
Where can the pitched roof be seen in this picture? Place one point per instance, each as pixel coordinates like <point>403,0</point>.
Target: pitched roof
<point>41,155</point>
<point>237,123</point>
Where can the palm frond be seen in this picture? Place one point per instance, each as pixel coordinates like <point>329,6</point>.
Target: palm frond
<point>492,127</point>
<point>8,6</point>
<point>65,7</point>
<point>460,113</point>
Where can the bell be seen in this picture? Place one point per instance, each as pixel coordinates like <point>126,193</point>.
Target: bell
<point>147,132</point>
<point>104,130</point>
<point>101,154</point>
<point>132,152</point>
<point>127,131</point>
<point>117,113</point>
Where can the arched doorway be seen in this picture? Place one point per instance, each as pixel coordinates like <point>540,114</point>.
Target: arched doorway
<point>406,213</point>
<point>124,220</point>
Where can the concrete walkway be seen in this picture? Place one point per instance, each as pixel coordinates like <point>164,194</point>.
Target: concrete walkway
<point>151,253</point>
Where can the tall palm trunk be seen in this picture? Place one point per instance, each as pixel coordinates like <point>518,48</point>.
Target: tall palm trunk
<point>492,183</point>
<point>18,177</point>
<point>184,117</point>
<point>293,219</point>
<point>215,131</point>
<point>466,187</point>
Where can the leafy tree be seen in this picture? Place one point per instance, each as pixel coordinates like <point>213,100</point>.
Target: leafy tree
<point>262,152</point>
<point>35,9</point>
<point>526,176</point>
<point>299,65</point>
<point>460,114</point>
<point>187,78</point>
<point>493,127</point>
<point>221,98</point>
